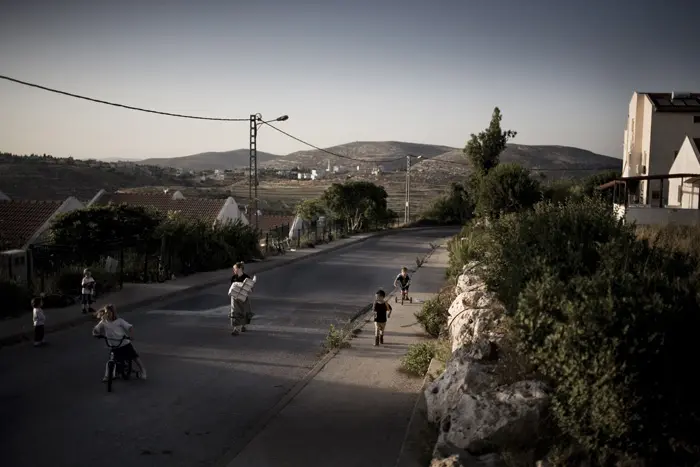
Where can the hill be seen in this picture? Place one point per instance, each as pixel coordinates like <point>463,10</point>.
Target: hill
<point>53,178</point>
<point>225,160</point>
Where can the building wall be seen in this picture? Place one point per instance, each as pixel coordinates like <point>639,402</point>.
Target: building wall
<point>230,212</point>
<point>69,205</point>
<point>662,216</point>
<point>681,193</point>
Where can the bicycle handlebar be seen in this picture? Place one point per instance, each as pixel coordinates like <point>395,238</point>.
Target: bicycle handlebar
<point>106,339</point>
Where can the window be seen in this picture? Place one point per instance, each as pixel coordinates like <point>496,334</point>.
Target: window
<point>655,194</point>
<point>696,119</point>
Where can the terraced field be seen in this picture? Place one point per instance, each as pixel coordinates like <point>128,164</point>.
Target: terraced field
<point>285,195</point>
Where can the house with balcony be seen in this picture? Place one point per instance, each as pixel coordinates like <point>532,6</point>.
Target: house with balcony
<point>661,169</point>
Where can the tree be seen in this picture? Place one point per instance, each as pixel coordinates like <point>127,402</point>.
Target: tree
<point>456,207</point>
<point>507,188</point>
<point>484,149</point>
<point>89,230</point>
<point>311,209</point>
<point>356,202</point>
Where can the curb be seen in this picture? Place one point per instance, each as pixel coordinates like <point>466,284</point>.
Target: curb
<point>415,440</point>
<point>256,429</point>
<point>130,307</point>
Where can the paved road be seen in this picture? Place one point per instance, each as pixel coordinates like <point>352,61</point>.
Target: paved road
<point>206,389</point>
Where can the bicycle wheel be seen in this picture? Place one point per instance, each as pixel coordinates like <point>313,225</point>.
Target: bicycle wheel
<point>110,375</point>
<point>126,370</point>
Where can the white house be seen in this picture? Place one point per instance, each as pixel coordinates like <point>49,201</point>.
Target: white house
<point>657,125</point>
<point>207,209</point>
<point>22,224</point>
<point>685,192</point>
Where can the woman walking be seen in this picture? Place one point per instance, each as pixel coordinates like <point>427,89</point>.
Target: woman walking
<point>241,313</point>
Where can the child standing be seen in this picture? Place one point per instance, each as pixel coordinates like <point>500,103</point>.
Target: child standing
<point>39,321</point>
<point>87,290</point>
<point>382,311</point>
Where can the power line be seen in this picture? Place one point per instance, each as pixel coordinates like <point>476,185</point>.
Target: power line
<point>330,152</point>
<point>114,104</point>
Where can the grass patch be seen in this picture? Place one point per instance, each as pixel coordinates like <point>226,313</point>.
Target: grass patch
<point>418,357</point>
<point>335,339</point>
<point>433,314</point>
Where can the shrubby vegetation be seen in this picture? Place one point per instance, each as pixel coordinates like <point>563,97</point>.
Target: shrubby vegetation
<point>606,312</point>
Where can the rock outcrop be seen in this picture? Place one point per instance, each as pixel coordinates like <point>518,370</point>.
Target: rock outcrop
<point>477,414</point>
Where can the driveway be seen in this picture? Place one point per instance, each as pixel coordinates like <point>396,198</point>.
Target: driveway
<point>206,388</point>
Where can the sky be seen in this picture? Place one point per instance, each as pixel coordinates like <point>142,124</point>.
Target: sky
<point>562,72</point>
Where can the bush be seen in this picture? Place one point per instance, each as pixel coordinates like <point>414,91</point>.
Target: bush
<point>507,188</point>
<point>470,244</point>
<point>16,299</point>
<point>433,314</point>
<point>680,238</point>
<point>615,343</point>
<point>69,279</point>
<point>418,357</point>
<point>561,240</point>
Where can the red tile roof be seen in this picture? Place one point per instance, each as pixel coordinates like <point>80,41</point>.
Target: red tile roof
<point>205,209</point>
<point>269,222</point>
<point>20,220</point>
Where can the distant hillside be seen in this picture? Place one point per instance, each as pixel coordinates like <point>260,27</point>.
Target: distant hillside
<point>376,151</point>
<point>51,178</point>
<point>444,161</point>
<point>226,160</point>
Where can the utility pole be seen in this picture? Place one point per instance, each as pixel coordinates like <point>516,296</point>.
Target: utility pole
<point>253,169</point>
<point>407,196</point>
<point>256,121</point>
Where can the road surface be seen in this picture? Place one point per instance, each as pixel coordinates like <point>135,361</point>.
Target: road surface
<point>206,388</point>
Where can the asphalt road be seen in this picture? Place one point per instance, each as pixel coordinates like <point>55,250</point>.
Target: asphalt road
<point>206,388</point>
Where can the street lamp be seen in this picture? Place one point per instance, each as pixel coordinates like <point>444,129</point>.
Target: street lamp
<point>407,209</point>
<point>256,121</point>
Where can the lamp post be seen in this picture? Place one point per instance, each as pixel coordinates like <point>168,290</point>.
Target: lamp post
<point>407,209</point>
<point>256,121</point>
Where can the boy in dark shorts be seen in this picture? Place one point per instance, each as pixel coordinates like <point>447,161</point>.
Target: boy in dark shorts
<point>403,280</point>
<point>382,312</point>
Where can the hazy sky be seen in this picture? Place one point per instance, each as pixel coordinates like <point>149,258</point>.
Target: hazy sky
<point>562,71</point>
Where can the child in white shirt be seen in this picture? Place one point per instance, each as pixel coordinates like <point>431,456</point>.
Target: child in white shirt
<point>87,290</point>
<point>39,321</point>
<point>114,329</point>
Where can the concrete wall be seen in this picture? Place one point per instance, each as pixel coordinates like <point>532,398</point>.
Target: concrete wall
<point>662,216</point>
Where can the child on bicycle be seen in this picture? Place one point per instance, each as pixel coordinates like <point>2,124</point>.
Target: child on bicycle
<point>382,312</point>
<point>403,280</point>
<point>114,329</point>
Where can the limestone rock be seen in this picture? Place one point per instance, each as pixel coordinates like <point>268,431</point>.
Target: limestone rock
<point>510,417</point>
<point>474,315</point>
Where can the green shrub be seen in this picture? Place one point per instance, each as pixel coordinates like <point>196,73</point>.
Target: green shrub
<point>507,188</point>
<point>470,244</point>
<point>433,314</point>
<point>561,240</point>
<point>418,357</point>
<point>616,343</point>
<point>69,279</point>
<point>16,299</point>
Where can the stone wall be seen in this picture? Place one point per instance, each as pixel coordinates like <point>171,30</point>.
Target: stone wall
<point>484,410</point>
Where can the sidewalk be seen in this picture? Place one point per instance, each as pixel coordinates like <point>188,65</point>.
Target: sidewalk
<point>134,296</point>
<point>356,410</point>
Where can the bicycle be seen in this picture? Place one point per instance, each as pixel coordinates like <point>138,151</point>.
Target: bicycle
<point>404,296</point>
<point>117,366</point>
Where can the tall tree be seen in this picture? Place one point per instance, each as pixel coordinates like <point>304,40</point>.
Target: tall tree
<point>356,202</point>
<point>484,149</point>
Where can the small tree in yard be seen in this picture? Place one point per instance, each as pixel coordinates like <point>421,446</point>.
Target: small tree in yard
<point>484,149</point>
<point>311,209</point>
<point>505,189</point>
<point>357,203</point>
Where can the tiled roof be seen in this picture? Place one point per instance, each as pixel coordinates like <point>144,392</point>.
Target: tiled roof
<point>269,222</point>
<point>20,220</point>
<point>663,103</point>
<point>205,209</point>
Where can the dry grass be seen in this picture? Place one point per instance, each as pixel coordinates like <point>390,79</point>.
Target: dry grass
<point>680,238</point>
